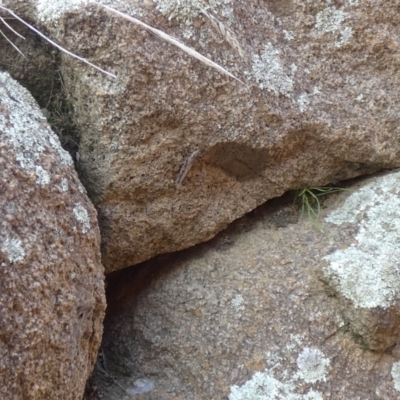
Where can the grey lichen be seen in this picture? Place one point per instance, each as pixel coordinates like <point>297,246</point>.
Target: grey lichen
<point>53,9</point>
<point>185,11</point>
<point>263,386</point>
<point>27,147</point>
<point>14,250</point>
<point>63,186</point>
<point>367,272</point>
<point>269,72</point>
<point>42,176</point>
<point>329,19</point>
<point>312,365</point>
<point>82,216</point>
<point>396,375</point>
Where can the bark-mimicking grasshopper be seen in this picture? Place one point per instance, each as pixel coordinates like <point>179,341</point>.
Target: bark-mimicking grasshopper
<point>186,168</point>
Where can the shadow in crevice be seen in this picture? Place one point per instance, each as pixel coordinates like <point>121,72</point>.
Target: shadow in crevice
<point>124,286</point>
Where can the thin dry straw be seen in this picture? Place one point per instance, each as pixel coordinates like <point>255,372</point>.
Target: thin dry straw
<point>9,41</point>
<point>54,43</point>
<point>168,38</point>
<point>11,28</point>
<point>15,32</point>
<point>227,34</point>
<point>175,42</point>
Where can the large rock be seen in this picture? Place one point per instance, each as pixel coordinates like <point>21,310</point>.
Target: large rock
<point>267,310</point>
<point>321,105</point>
<point>51,279</point>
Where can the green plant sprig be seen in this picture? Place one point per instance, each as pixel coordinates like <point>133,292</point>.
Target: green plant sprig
<point>310,202</point>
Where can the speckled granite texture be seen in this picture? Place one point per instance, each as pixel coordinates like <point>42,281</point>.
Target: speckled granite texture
<point>51,278</point>
<point>320,105</point>
<point>306,311</point>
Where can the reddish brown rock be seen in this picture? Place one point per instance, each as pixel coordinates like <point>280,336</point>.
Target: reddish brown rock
<point>267,310</point>
<point>51,279</point>
<point>320,105</point>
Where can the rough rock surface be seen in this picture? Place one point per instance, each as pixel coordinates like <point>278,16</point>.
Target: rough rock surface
<point>38,69</point>
<point>267,310</point>
<point>321,105</point>
<point>51,279</point>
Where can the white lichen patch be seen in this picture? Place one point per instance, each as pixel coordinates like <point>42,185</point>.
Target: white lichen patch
<point>329,19</point>
<point>311,395</point>
<point>345,36</point>
<point>82,216</point>
<point>237,302</point>
<point>288,35</point>
<point>13,249</point>
<point>81,189</point>
<point>63,186</point>
<point>53,9</point>
<point>42,176</point>
<point>273,360</point>
<point>26,131</point>
<point>368,273</point>
<point>64,156</point>
<point>264,386</point>
<point>182,11</point>
<point>313,365</point>
<point>295,341</point>
<point>269,72</point>
<point>396,375</point>
<point>303,102</point>
<point>185,11</point>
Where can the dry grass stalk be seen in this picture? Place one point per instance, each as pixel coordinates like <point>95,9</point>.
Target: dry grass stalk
<point>51,42</point>
<point>170,39</point>
<point>11,28</point>
<point>164,36</point>
<point>15,33</point>
<point>225,32</point>
<point>9,41</point>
